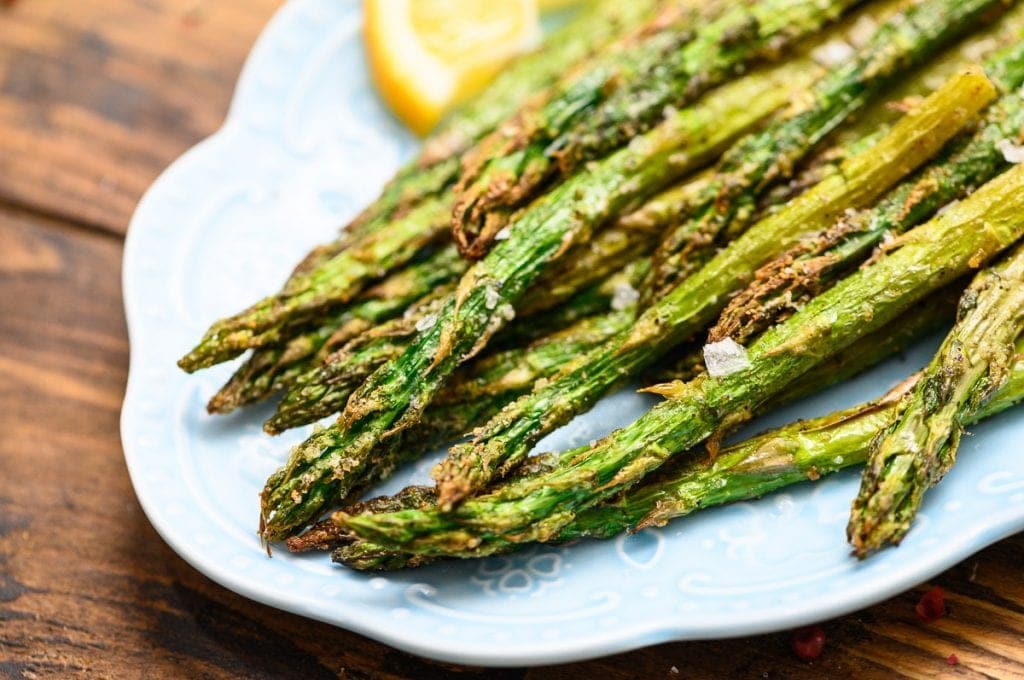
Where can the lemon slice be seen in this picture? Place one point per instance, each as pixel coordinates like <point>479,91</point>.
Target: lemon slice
<point>426,55</point>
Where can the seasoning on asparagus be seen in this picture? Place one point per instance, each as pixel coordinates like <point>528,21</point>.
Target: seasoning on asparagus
<point>437,165</point>
<point>925,318</point>
<point>916,452</point>
<point>278,367</point>
<point>616,99</point>
<point>746,170</point>
<point>335,282</point>
<point>780,287</point>
<point>481,390</point>
<point>394,396</point>
<point>536,508</point>
<point>503,442</point>
<point>799,452</point>
<point>323,389</point>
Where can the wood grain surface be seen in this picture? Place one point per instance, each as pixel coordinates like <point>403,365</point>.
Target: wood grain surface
<point>95,99</point>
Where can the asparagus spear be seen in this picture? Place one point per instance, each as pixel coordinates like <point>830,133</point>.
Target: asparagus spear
<point>503,442</point>
<point>334,282</point>
<point>784,284</point>
<point>324,389</point>
<point>907,39</point>
<point>917,451</point>
<point>674,205</point>
<point>423,181</point>
<point>866,352</point>
<point>924,318</point>
<point>481,390</point>
<point>437,164</point>
<point>394,396</point>
<point>536,508</point>
<point>617,98</point>
<point>278,367</point>
<point>598,24</point>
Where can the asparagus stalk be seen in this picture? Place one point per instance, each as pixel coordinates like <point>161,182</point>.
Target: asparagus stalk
<point>437,164</point>
<point>505,441</point>
<point>904,41</point>
<point>917,451</point>
<point>864,353</point>
<point>329,271</point>
<point>446,420</point>
<point>394,396</point>
<point>270,369</point>
<point>323,390</point>
<point>536,508</point>
<point>804,450</point>
<point>789,281</point>
<point>335,282</point>
<point>670,208</point>
<point>617,98</point>
<point>481,390</point>
<point>923,319</point>
<point>792,454</point>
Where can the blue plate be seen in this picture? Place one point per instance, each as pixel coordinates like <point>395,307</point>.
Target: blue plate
<point>306,144</point>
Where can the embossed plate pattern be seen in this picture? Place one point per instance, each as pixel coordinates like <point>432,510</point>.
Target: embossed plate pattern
<point>305,145</point>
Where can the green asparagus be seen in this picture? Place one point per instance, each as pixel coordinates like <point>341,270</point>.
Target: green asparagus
<point>616,99</point>
<point>866,352</point>
<point>918,450</point>
<point>780,287</point>
<point>278,367</point>
<point>323,390</point>
<point>963,238</point>
<point>394,396</point>
<point>505,441</point>
<point>906,40</point>
<point>437,165</point>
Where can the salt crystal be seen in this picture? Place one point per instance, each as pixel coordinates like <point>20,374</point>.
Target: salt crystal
<point>623,296</point>
<point>1013,153</point>
<point>863,30</point>
<point>503,234</point>
<point>491,298</point>
<point>725,357</point>
<point>426,322</point>
<point>979,49</point>
<point>833,53</point>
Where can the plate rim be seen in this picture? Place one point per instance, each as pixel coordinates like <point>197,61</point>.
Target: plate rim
<point>492,653</point>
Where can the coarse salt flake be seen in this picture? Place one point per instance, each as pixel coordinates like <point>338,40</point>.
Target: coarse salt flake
<point>623,296</point>
<point>426,322</point>
<point>833,53</point>
<point>503,235</point>
<point>491,298</point>
<point>1013,153</point>
<point>725,357</point>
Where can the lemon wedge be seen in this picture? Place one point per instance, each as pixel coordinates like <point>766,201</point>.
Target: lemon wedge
<point>426,55</point>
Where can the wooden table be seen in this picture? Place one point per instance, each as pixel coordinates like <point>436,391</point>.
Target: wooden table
<point>96,98</point>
